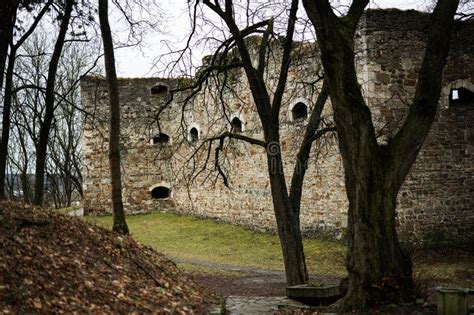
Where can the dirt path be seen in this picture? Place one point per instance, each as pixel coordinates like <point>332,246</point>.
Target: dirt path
<point>235,280</point>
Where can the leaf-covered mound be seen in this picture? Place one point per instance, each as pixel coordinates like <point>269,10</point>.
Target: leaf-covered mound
<point>50,263</point>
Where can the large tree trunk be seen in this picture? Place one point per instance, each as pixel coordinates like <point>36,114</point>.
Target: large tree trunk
<point>7,22</point>
<point>119,224</point>
<point>287,220</point>
<point>379,271</point>
<point>42,147</point>
<point>7,105</point>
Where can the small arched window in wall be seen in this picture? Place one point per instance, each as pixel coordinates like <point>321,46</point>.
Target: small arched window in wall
<point>160,192</point>
<point>299,112</point>
<point>161,138</point>
<point>236,124</point>
<point>461,96</point>
<point>159,89</point>
<point>193,135</point>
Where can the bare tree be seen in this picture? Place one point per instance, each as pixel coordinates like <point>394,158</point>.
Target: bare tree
<point>64,158</point>
<point>234,53</point>
<point>119,223</point>
<point>8,95</point>
<point>50,96</point>
<point>379,270</point>
<point>65,154</point>
<point>27,105</point>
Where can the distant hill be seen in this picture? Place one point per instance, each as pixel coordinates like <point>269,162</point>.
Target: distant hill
<point>50,263</point>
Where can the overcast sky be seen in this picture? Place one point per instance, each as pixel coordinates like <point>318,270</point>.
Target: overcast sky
<point>137,62</point>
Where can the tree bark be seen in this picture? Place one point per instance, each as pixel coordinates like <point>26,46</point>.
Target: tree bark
<point>379,270</point>
<point>7,105</point>
<point>41,149</point>
<point>7,23</point>
<point>119,223</point>
<point>8,10</point>
<point>287,220</point>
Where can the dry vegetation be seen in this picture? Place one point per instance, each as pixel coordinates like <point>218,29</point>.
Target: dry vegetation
<point>50,263</point>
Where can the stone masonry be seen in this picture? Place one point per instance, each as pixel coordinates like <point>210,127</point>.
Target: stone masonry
<point>162,171</point>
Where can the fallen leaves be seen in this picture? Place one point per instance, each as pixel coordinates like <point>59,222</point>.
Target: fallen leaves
<point>50,263</point>
<point>37,303</point>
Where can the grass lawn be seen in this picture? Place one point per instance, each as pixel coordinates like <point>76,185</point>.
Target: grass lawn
<point>190,239</point>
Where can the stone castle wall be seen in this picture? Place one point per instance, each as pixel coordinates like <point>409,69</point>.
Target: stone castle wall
<point>435,202</point>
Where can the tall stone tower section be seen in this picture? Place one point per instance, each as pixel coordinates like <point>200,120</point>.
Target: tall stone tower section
<point>436,200</point>
<point>146,143</point>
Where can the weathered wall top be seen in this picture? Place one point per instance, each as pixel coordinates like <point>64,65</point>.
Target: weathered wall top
<point>393,20</point>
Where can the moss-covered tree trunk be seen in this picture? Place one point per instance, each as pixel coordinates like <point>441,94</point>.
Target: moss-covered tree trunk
<point>379,271</point>
<point>119,223</point>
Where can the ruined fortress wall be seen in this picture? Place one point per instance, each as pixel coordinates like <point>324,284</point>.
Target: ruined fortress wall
<point>143,165</point>
<point>435,202</point>
<point>248,200</point>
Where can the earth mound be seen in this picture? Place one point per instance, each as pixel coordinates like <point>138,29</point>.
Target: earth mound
<point>50,263</point>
